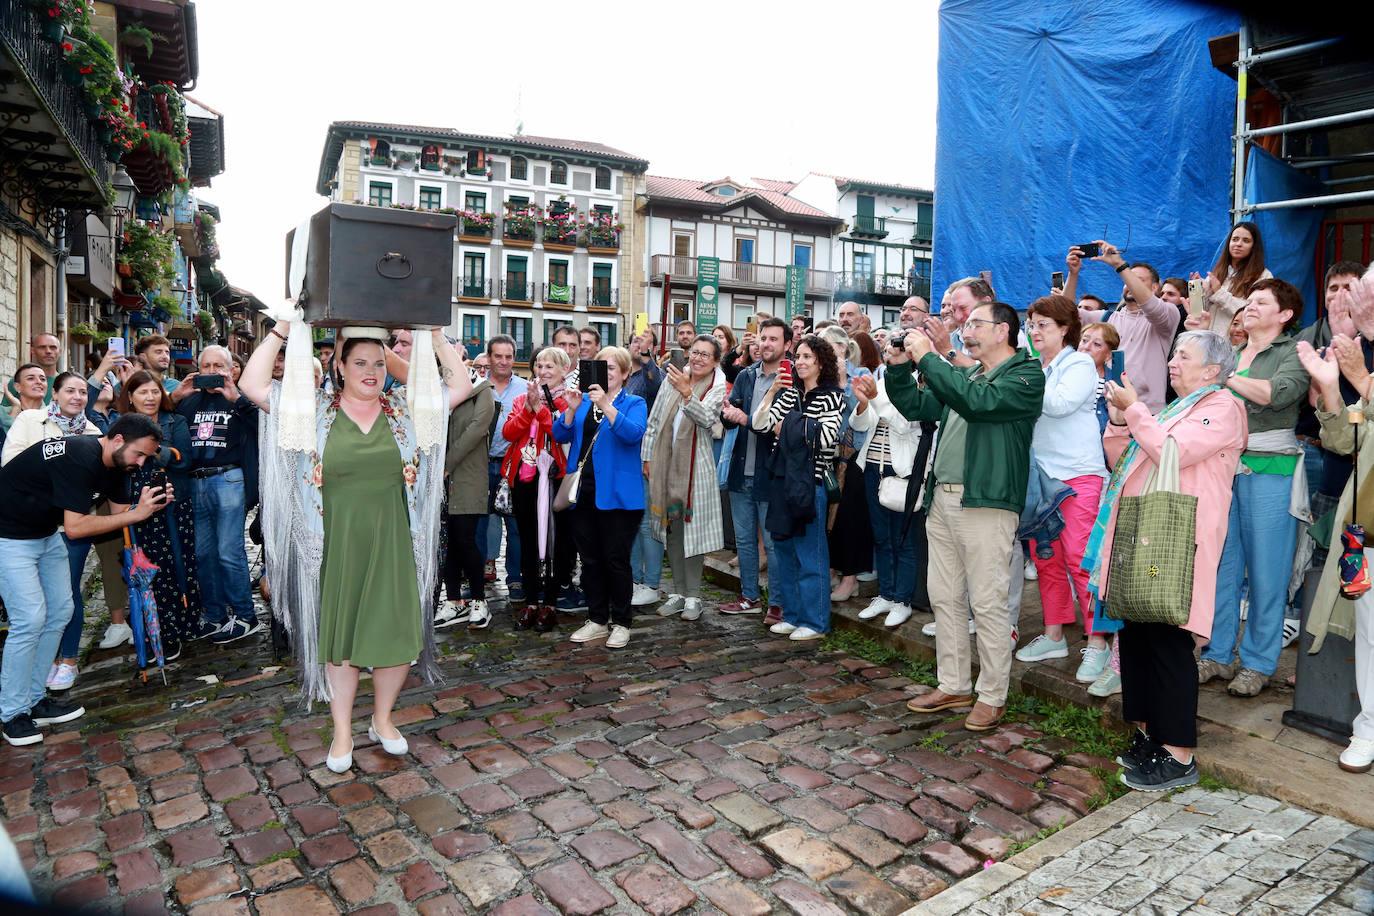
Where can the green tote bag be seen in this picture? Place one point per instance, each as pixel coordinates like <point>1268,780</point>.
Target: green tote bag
<point>1153,547</point>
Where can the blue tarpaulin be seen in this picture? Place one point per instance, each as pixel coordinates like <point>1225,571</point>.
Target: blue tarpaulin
<point>1290,236</point>
<point>1065,120</point>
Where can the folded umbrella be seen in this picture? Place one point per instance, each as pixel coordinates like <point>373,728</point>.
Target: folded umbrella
<point>138,572</point>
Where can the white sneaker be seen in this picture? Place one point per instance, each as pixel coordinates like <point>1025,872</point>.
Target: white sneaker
<point>52,673</point>
<point>869,576</point>
<point>63,677</point>
<point>1291,629</point>
<point>1042,649</point>
<point>1031,573</point>
<point>1359,756</point>
<point>782,628</point>
<point>479,615</point>
<point>644,594</point>
<point>116,634</point>
<point>619,638</point>
<point>692,609</point>
<point>898,615</point>
<point>929,629</point>
<point>670,607</point>
<point>801,634</point>
<point>450,613</point>
<point>589,631</point>
<point>879,605</point>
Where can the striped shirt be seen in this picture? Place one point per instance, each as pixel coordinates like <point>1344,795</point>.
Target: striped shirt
<point>879,452</point>
<point>825,406</point>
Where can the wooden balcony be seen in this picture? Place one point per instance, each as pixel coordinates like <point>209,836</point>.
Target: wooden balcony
<point>740,275</point>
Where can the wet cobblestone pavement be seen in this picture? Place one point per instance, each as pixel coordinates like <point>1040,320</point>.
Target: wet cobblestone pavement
<point>707,767</point>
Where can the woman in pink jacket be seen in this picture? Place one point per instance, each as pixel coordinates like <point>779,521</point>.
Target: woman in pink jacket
<point>1158,676</point>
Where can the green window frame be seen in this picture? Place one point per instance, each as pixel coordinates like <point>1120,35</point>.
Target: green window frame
<point>379,193</point>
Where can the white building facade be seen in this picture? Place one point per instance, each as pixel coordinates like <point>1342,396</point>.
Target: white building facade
<point>540,242</point>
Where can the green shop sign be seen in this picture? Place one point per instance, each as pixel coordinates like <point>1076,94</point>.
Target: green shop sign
<point>708,293</point>
<point>796,291</point>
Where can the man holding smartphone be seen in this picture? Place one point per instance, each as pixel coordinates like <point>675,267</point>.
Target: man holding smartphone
<point>224,429</point>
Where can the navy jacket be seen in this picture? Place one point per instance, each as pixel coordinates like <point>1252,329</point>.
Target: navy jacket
<point>742,396</point>
<point>615,454</point>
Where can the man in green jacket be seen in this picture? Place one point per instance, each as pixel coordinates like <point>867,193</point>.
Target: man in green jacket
<point>973,498</point>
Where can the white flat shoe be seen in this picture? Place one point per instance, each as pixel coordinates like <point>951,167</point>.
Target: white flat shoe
<point>340,764</point>
<point>396,747</point>
<point>781,628</point>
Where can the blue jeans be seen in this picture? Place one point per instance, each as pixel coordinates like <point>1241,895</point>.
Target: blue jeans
<point>646,556</point>
<point>489,540</point>
<point>802,575</point>
<point>748,516</point>
<point>221,556</point>
<point>1260,539</point>
<point>896,557</point>
<point>77,551</point>
<point>36,585</point>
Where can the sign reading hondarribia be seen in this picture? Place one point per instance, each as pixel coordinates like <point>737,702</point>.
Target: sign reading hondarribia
<point>708,293</point>
<point>796,291</point>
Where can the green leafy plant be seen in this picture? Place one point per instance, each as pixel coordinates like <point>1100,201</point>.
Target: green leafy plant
<point>88,332</point>
<point>205,324</point>
<point>146,256</point>
<point>137,34</point>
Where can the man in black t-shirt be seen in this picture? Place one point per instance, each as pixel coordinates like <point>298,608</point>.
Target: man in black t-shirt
<point>50,484</point>
<point>223,475</point>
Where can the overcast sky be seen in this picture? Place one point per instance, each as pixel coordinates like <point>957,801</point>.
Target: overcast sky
<point>710,89</point>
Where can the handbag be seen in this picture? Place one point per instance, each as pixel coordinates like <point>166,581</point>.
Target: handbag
<point>1153,548</point>
<point>502,504</point>
<point>832,484</point>
<point>892,493</point>
<point>571,486</point>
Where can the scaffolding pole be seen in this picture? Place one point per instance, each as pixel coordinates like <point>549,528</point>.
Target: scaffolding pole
<point>1365,114</point>
<point>1323,201</point>
<point>1291,51</point>
<point>1238,167</point>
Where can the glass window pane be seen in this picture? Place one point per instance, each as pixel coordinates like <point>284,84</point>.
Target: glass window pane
<point>801,255</point>
<point>431,198</point>
<point>519,168</point>
<point>379,194</point>
<point>475,202</point>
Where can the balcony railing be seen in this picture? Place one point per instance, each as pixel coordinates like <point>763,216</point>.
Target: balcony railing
<point>883,284</point>
<point>560,294</point>
<point>742,274</point>
<point>603,238</point>
<point>518,232</point>
<point>26,140</point>
<point>598,298</point>
<point>553,235</point>
<point>474,288</point>
<point>875,226</point>
<point>924,234</point>
<point>517,290</point>
<point>474,229</point>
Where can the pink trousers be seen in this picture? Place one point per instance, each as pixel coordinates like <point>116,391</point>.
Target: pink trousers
<point>1061,575</point>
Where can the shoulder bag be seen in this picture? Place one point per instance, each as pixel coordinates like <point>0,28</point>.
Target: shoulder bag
<point>572,483</point>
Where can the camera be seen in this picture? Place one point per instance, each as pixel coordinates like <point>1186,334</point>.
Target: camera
<point>208,382</point>
<point>898,339</point>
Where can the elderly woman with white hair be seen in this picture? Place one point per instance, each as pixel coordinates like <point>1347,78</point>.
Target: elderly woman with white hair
<point>1159,688</point>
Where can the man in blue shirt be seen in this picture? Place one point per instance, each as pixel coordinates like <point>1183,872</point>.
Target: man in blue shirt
<point>506,386</point>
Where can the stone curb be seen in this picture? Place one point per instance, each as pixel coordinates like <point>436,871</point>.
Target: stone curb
<point>967,893</point>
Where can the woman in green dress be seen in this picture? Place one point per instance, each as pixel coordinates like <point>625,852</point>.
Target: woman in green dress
<point>365,601</point>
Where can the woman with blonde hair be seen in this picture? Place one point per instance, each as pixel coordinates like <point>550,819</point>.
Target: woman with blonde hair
<point>684,496</point>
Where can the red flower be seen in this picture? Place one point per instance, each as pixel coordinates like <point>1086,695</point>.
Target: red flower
<point>67,47</point>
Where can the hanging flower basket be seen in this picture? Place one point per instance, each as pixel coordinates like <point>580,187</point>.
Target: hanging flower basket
<point>54,32</point>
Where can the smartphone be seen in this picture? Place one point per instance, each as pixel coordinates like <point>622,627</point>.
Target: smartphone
<point>752,326</point>
<point>677,358</point>
<point>1197,297</point>
<point>117,346</point>
<point>1089,249</point>
<point>1117,367</point>
<point>157,478</point>
<point>1057,280</point>
<point>206,382</point>
<point>785,371</point>
<point>592,372</point>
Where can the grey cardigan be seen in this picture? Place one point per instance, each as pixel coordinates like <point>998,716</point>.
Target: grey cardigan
<point>465,463</point>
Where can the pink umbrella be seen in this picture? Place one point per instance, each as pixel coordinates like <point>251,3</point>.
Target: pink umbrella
<point>545,504</point>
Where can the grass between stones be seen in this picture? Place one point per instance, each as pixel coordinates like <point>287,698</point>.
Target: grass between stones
<point>869,649</point>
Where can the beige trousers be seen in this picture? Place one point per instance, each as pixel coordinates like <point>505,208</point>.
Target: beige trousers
<point>970,557</point>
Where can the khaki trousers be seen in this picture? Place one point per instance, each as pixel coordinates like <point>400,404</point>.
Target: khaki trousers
<point>970,557</point>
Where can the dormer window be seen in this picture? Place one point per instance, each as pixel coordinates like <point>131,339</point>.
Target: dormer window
<point>558,172</point>
<point>519,168</point>
<point>429,158</point>
<point>725,190</point>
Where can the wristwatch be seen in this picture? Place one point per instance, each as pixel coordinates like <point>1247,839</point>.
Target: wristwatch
<point>951,354</point>
<point>1122,266</point>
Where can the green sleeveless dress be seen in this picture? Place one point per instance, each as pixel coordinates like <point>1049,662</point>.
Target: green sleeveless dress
<point>369,598</point>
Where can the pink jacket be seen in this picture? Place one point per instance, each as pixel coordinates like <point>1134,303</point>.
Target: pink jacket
<point>1211,436</point>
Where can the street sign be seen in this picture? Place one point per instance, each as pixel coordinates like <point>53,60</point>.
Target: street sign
<point>708,293</point>
<point>796,291</point>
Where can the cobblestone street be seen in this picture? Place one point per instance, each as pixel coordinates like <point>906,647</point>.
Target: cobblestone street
<point>707,767</point>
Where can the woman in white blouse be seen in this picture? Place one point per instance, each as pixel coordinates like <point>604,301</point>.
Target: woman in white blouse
<point>1067,444</point>
<point>1239,267</point>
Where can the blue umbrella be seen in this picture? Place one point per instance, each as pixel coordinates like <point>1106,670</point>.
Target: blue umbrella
<point>138,572</point>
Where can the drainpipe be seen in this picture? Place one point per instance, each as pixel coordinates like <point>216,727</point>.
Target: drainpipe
<point>60,287</point>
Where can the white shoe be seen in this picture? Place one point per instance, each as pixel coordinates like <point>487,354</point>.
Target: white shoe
<point>1031,573</point>
<point>619,638</point>
<point>1291,629</point>
<point>869,576</point>
<point>116,634</point>
<point>801,634</point>
<point>450,613</point>
<point>63,677</point>
<point>670,607</point>
<point>479,615</point>
<point>589,631</point>
<point>396,747</point>
<point>898,615</point>
<point>929,629</point>
<point>52,673</point>
<point>692,609</point>
<point>644,594</point>
<point>340,764</point>
<point>875,607</point>
<point>782,628</point>
<point>1359,756</point>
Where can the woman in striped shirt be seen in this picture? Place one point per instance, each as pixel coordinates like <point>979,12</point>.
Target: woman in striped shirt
<point>803,416</point>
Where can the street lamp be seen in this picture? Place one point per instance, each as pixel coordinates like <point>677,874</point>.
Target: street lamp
<point>124,191</point>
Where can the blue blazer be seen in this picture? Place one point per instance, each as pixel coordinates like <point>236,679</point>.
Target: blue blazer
<point>615,453</point>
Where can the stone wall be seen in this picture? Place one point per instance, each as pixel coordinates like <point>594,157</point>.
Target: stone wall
<point>9,301</point>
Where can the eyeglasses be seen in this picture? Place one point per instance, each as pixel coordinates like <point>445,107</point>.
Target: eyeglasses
<point>701,354</point>
<point>975,322</point>
<point>1041,326</point>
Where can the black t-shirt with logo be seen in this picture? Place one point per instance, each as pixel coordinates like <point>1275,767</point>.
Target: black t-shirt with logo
<point>50,477</point>
<point>220,429</point>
